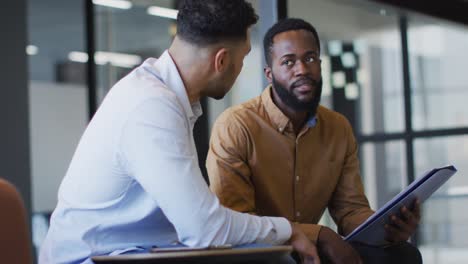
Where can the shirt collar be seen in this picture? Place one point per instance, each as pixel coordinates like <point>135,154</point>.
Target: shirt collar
<point>169,75</point>
<point>312,121</point>
<point>279,119</point>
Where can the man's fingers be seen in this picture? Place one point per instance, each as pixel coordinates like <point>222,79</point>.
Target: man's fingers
<point>417,209</point>
<point>306,249</point>
<point>390,233</point>
<point>407,214</point>
<point>311,256</point>
<point>394,234</point>
<point>410,218</point>
<point>400,224</point>
<point>311,260</point>
<point>316,256</point>
<point>403,226</point>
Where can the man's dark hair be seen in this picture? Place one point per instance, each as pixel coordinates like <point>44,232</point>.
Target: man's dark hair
<point>283,26</point>
<point>203,22</point>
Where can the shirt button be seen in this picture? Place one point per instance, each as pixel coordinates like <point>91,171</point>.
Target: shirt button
<point>298,213</point>
<point>297,177</point>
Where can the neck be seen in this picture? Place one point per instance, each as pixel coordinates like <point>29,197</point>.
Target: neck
<point>187,59</point>
<point>298,118</point>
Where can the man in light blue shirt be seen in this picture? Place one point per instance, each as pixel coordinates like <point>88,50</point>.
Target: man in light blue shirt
<point>134,180</point>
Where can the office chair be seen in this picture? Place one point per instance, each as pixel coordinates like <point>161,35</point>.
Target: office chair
<point>14,231</point>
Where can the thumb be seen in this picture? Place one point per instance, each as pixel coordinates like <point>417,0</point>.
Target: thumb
<point>311,260</point>
<point>315,255</point>
<point>311,256</point>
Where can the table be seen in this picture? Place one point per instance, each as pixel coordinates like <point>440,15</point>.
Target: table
<point>257,255</point>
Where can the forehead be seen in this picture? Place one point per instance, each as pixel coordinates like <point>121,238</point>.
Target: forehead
<point>294,42</point>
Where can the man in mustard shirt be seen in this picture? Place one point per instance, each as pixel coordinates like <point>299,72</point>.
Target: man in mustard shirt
<point>282,154</point>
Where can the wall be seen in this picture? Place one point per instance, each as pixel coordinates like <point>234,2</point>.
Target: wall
<point>14,131</point>
<point>58,118</point>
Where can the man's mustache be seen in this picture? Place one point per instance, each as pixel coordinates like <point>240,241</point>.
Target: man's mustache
<point>304,80</point>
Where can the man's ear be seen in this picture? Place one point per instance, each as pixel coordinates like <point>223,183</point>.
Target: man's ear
<point>268,74</point>
<point>221,60</point>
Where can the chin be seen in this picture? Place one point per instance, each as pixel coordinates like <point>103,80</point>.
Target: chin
<point>217,96</point>
<point>306,100</point>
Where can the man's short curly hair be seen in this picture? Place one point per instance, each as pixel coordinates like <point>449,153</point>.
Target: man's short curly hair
<point>203,22</point>
<point>283,26</point>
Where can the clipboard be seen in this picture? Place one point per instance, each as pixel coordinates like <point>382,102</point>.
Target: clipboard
<point>185,248</point>
<point>372,231</point>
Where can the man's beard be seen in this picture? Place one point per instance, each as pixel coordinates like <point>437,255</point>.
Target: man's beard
<point>288,98</point>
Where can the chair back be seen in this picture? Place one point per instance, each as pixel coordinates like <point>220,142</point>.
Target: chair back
<point>15,244</point>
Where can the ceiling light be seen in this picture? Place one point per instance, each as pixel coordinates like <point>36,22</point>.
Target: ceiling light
<point>117,59</point>
<point>121,4</point>
<point>162,12</point>
<point>78,56</point>
<point>32,50</point>
<point>102,57</point>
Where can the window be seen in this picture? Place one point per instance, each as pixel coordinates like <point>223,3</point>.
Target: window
<point>129,34</point>
<point>405,126</point>
<point>438,77</point>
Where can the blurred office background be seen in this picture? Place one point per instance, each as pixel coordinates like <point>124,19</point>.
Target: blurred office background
<point>397,71</point>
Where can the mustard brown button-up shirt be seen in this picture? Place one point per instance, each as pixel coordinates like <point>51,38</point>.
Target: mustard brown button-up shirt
<point>257,164</point>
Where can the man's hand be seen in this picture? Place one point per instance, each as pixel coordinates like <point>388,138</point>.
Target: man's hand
<point>401,228</point>
<point>303,246</point>
<point>334,248</point>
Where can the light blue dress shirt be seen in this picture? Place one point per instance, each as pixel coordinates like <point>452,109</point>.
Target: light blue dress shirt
<point>134,179</point>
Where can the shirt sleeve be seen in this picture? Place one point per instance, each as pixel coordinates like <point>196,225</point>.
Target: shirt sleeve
<point>227,165</point>
<point>349,206</point>
<point>157,150</point>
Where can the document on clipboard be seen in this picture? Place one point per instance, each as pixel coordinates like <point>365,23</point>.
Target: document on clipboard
<point>372,231</point>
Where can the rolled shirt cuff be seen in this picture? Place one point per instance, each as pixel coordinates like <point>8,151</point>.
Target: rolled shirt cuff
<point>283,230</point>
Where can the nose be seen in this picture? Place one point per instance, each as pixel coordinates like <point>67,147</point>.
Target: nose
<point>300,68</point>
